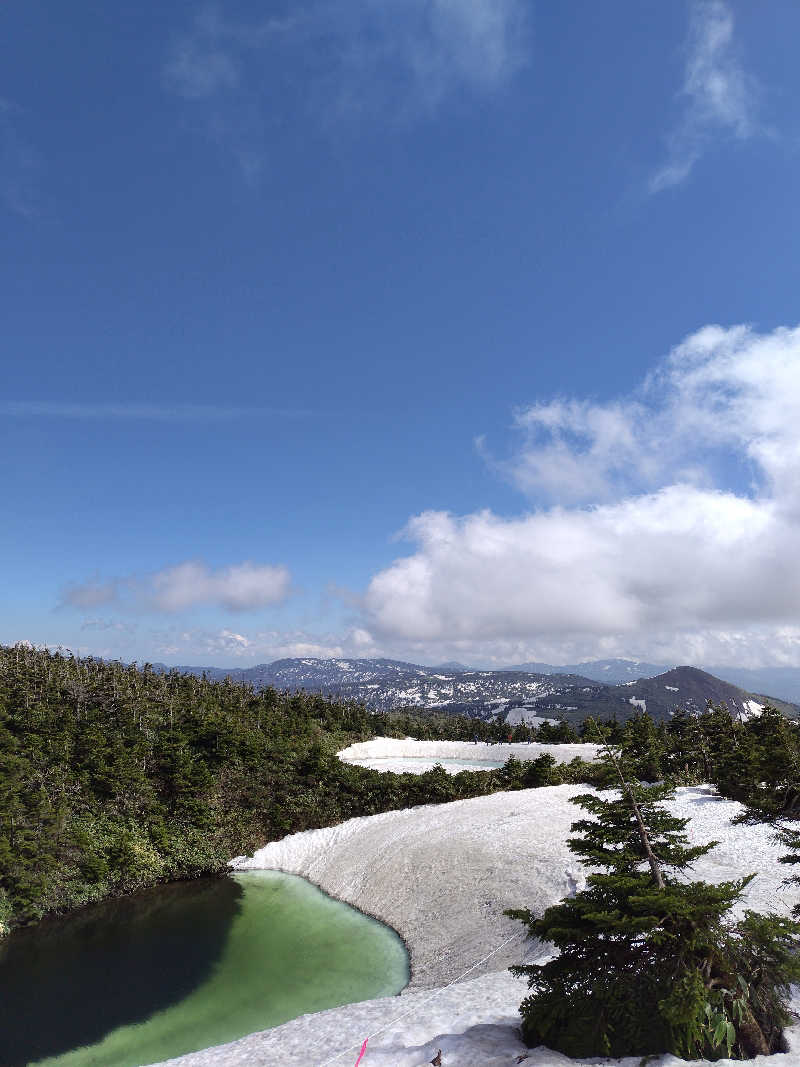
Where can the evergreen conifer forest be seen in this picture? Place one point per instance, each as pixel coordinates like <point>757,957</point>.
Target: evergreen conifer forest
<point>114,777</point>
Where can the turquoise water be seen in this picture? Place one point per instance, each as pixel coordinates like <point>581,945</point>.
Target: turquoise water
<point>184,967</point>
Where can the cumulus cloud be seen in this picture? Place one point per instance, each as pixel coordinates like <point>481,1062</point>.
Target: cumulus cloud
<point>689,540</point>
<point>574,449</point>
<point>242,587</point>
<point>724,403</point>
<point>720,96</point>
<point>393,59</point>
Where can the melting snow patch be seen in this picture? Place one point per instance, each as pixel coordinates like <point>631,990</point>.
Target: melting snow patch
<point>751,708</point>
<point>638,703</point>
<point>391,754</point>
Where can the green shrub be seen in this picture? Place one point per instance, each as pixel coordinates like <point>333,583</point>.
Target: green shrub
<point>650,963</point>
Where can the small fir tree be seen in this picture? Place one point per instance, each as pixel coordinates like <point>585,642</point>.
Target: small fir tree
<point>648,961</point>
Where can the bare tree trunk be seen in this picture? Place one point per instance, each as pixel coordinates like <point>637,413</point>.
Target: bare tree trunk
<point>658,878</point>
<point>749,1030</point>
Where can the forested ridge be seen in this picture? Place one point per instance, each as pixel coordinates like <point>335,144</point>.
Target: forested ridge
<point>115,777</point>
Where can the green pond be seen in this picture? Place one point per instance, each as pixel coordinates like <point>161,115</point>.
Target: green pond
<point>186,966</point>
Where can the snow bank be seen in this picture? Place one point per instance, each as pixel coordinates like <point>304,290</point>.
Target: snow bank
<point>441,875</point>
<point>393,754</point>
<point>475,1024</point>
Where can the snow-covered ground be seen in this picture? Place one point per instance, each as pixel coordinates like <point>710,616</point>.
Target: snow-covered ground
<point>408,754</point>
<point>441,876</point>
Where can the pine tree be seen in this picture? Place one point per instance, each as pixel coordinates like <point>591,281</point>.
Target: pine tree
<point>763,770</point>
<point>650,962</point>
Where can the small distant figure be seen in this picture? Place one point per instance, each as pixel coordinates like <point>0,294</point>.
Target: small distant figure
<point>437,1059</point>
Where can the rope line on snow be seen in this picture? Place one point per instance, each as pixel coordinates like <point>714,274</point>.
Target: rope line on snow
<point>417,1006</point>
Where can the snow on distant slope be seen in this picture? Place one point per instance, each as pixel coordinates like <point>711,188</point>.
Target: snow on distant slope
<point>441,875</point>
<point>751,708</point>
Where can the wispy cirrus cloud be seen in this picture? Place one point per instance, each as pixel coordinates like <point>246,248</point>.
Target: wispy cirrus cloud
<point>211,646</point>
<point>110,626</point>
<point>335,60</point>
<point>141,412</point>
<point>721,97</point>
<point>241,587</point>
<point>20,165</point>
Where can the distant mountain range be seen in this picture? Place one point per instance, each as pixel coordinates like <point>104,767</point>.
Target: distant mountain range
<point>611,671</point>
<point>784,682</point>
<point>514,694</point>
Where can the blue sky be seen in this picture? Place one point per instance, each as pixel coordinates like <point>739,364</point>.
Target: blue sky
<point>429,328</point>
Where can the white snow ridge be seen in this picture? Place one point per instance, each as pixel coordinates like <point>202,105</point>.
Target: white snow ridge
<point>441,876</point>
<point>408,754</point>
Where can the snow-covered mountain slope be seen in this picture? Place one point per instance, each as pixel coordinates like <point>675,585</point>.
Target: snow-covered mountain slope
<point>682,687</point>
<point>387,685</point>
<point>442,875</point>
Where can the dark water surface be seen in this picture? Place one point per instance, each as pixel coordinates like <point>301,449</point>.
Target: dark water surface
<point>186,966</point>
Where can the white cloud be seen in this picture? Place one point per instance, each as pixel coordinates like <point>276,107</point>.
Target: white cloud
<point>242,587</point>
<point>576,450</point>
<point>661,562</point>
<point>725,400</point>
<point>721,97</point>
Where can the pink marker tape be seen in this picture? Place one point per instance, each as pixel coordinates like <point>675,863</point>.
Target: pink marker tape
<point>361,1053</point>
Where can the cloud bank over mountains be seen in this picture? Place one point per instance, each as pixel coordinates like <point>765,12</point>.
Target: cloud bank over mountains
<point>674,531</point>
<point>664,525</point>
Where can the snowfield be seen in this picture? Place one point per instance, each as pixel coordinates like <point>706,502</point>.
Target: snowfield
<point>406,754</point>
<point>441,876</point>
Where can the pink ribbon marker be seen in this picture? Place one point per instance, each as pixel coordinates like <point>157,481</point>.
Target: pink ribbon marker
<point>361,1053</point>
